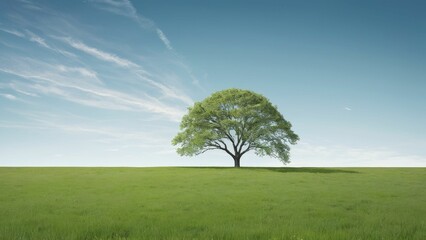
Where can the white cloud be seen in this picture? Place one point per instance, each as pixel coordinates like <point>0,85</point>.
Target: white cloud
<point>188,70</point>
<point>119,7</point>
<point>108,57</point>
<point>30,35</point>
<point>30,5</point>
<point>37,39</point>
<point>139,104</point>
<point>71,124</point>
<point>13,32</point>
<point>84,86</point>
<point>348,109</point>
<point>164,39</point>
<point>16,88</point>
<point>126,8</point>
<point>167,91</point>
<point>42,42</point>
<point>83,71</point>
<point>49,80</point>
<point>311,155</point>
<point>8,96</point>
<point>138,70</point>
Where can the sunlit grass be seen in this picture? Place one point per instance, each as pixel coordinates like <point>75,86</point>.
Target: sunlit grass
<point>212,203</point>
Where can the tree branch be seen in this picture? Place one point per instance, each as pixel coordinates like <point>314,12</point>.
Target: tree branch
<point>217,146</point>
<point>242,145</point>
<point>246,150</point>
<point>207,149</point>
<point>220,128</point>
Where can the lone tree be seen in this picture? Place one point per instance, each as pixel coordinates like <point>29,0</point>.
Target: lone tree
<point>235,121</point>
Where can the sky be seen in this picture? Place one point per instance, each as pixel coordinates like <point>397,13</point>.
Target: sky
<point>106,82</point>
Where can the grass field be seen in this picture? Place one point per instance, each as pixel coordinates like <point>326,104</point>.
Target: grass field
<point>212,203</point>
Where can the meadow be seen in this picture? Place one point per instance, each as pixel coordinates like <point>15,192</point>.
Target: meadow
<point>213,203</point>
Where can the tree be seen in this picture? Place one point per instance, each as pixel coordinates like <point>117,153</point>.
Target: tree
<point>235,121</point>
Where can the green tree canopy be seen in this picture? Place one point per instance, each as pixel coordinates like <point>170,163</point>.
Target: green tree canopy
<point>235,121</point>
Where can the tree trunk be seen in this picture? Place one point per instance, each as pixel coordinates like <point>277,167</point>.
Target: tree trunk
<point>237,161</point>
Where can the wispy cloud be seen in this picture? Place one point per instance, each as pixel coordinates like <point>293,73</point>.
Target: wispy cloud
<point>164,39</point>
<point>71,124</point>
<point>108,57</point>
<point>50,79</point>
<point>168,91</point>
<point>8,96</point>
<point>307,154</point>
<point>120,7</point>
<point>30,5</point>
<point>131,97</point>
<point>188,70</point>
<point>126,8</point>
<point>20,125</point>
<point>37,39</point>
<point>17,89</point>
<point>82,71</point>
<point>348,109</point>
<point>13,32</point>
<point>137,69</point>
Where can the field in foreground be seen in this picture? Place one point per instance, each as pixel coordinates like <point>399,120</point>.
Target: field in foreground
<point>212,203</point>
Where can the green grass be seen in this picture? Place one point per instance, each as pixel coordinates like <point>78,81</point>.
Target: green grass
<point>212,203</point>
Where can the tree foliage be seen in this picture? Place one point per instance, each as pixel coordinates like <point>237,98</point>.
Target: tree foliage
<point>235,121</point>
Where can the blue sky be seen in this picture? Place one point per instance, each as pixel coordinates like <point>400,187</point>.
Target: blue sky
<point>105,82</point>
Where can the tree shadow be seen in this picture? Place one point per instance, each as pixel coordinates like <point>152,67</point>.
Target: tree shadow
<point>282,169</point>
<point>310,170</point>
